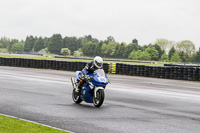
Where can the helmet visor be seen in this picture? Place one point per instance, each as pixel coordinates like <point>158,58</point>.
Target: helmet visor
<point>98,64</point>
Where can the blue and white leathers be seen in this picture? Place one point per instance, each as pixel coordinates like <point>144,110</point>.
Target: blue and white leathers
<point>98,81</point>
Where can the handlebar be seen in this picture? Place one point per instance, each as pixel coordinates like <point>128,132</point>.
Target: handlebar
<point>93,76</point>
<point>88,78</point>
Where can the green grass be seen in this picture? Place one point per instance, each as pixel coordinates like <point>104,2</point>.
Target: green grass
<point>80,60</point>
<point>11,125</point>
<point>3,50</point>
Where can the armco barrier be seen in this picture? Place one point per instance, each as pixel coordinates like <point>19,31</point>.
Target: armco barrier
<point>46,64</point>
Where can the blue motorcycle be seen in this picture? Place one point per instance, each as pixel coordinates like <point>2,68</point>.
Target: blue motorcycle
<point>92,90</point>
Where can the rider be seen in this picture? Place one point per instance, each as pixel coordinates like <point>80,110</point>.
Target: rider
<point>96,63</point>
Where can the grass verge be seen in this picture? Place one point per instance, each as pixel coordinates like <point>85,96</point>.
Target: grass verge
<point>11,125</point>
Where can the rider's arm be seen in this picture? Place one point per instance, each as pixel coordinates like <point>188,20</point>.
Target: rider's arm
<point>84,71</point>
<point>87,68</point>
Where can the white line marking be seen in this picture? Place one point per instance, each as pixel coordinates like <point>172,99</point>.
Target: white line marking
<point>35,123</point>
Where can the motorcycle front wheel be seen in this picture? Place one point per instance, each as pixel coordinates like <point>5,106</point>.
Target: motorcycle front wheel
<point>76,98</point>
<point>98,100</point>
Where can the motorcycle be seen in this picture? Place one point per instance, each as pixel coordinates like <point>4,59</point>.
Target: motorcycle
<point>92,90</point>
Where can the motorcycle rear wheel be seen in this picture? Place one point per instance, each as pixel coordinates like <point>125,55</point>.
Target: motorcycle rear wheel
<point>76,98</point>
<point>98,101</point>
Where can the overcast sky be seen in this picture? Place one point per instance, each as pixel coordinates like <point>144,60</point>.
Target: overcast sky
<point>145,20</point>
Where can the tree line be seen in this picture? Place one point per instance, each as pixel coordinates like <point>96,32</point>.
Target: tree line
<point>161,50</point>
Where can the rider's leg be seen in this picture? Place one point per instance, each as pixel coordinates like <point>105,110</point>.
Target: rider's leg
<point>79,85</point>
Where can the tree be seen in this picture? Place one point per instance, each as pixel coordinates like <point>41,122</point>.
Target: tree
<point>171,52</point>
<point>129,49</point>
<point>144,55</point>
<point>39,44</point>
<point>73,43</point>
<point>144,47</point>
<point>134,54</point>
<point>120,50</point>
<point>5,41</point>
<point>46,40</point>
<point>98,48</point>
<point>135,41</point>
<point>110,49</point>
<point>197,57</point>
<point>13,41</point>
<point>165,44</point>
<point>186,46</point>
<point>29,43</point>
<point>89,48</point>
<point>160,51</point>
<point>110,39</point>
<point>65,51</point>
<point>104,49</point>
<point>153,53</point>
<point>182,56</point>
<point>18,47</point>
<point>55,44</point>
<point>1,45</point>
<point>164,57</point>
<point>175,57</point>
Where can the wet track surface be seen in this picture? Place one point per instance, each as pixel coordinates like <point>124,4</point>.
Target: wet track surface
<point>132,104</point>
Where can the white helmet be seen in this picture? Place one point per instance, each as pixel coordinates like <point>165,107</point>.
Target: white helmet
<point>98,62</point>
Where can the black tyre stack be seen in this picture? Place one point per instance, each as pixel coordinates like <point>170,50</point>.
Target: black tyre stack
<point>180,72</point>
<point>185,73</point>
<point>162,72</point>
<point>169,71</point>
<point>146,71</point>
<point>190,73</point>
<point>176,72</point>
<point>196,73</point>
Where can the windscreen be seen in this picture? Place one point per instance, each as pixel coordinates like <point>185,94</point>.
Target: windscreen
<point>100,72</point>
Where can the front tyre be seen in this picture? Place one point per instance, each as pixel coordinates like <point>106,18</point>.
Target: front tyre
<point>76,98</point>
<point>98,100</point>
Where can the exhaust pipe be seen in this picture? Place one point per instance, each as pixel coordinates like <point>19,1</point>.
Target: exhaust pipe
<point>73,83</point>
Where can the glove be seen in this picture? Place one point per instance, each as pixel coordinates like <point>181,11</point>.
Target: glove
<point>87,77</point>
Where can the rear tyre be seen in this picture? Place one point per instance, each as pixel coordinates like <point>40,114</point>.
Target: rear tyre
<point>76,98</point>
<point>98,100</point>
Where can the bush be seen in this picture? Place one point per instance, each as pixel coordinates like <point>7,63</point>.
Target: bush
<point>78,53</point>
<point>65,51</point>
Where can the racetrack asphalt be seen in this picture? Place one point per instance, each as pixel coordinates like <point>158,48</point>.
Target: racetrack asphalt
<point>132,104</point>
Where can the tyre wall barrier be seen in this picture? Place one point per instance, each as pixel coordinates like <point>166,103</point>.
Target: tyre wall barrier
<point>46,64</point>
<point>169,71</point>
<point>178,72</point>
<point>185,65</point>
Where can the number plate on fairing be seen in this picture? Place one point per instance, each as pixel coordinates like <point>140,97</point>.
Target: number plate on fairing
<point>102,79</point>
